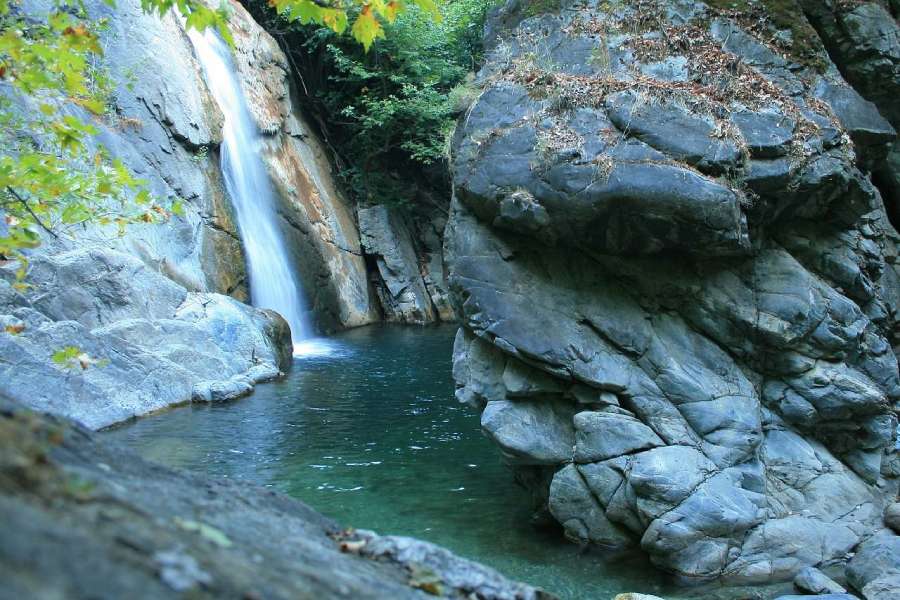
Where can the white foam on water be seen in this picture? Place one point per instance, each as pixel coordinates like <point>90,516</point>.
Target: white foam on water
<point>318,348</point>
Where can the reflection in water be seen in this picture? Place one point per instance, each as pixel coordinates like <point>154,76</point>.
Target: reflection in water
<point>369,433</point>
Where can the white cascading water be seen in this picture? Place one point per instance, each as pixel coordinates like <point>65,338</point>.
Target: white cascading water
<point>272,281</point>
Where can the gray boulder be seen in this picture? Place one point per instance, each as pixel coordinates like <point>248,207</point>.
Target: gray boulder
<point>892,516</point>
<point>883,588</point>
<point>814,581</point>
<point>876,559</point>
<point>144,342</point>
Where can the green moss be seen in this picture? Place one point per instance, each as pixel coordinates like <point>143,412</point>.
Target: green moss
<point>540,7</point>
<point>805,46</point>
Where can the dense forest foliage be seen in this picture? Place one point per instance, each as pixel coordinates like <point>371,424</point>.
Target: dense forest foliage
<point>387,112</point>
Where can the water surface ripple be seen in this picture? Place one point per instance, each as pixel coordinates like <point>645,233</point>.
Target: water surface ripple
<point>370,434</point>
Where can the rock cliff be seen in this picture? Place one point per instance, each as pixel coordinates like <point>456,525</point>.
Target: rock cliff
<point>317,220</point>
<point>407,253</point>
<point>677,282</point>
<point>153,305</point>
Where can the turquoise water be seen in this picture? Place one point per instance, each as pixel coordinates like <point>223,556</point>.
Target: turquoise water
<point>370,434</point>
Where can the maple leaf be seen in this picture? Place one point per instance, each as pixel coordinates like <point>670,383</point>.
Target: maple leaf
<point>366,29</point>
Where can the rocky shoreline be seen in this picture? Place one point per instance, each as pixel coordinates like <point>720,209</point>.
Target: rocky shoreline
<point>673,250</point>
<point>85,519</point>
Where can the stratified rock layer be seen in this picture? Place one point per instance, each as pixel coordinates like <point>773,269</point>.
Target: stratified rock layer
<point>678,286</point>
<point>316,219</point>
<point>408,275</point>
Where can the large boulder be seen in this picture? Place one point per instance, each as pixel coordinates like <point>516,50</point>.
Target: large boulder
<point>144,342</point>
<point>678,285</point>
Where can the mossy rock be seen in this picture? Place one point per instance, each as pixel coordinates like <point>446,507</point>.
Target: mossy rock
<point>805,46</point>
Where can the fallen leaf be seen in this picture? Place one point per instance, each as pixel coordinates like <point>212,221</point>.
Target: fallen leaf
<point>207,531</point>
<point>15,329</point>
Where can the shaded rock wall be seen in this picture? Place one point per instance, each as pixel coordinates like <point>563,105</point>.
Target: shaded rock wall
<point>678,285</point>
<point>863,39</point>
<point>409,264</point>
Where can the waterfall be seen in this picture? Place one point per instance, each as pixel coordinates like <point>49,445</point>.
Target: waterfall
<point>272,281</point>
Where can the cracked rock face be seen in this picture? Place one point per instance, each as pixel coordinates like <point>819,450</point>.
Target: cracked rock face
<point>160,344</point>
<point>678,286</point>
<point>408,275</point>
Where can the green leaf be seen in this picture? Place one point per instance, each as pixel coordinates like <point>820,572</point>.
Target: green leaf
<point>366,29</point>
<point>430,7</point>
<point>65,356</point>
<point>75,213</point>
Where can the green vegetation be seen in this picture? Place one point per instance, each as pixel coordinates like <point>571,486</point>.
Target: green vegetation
<point>388,112</point>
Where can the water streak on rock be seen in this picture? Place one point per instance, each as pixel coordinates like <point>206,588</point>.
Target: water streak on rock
<point>273,283</point>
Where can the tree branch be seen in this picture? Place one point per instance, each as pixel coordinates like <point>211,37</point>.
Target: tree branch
<point>36,218</point>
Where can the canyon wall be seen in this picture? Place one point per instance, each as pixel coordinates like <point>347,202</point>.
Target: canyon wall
<point>678,285</point>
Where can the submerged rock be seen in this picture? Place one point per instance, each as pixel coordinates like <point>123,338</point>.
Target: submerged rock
<point>667,235</point>
<point>83,519</point>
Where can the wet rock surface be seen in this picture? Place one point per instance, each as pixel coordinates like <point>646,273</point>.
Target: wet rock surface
<point>316,218</point>
<point>678,286</point>
<point>83,519</point>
